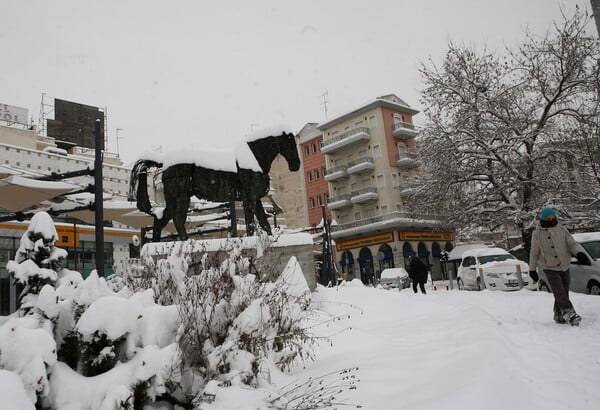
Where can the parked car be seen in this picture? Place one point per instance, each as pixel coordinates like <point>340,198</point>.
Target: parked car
<point>497,267</point>
<point>394,278</point>
<point>585,278</point>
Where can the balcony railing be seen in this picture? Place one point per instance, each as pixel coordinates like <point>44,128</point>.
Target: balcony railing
<point>348,138</point>
<point>364,195</point>
<point>338,202</point>
<point>360,165</point>
<point>407,160</point>
<point>337,172</point>
<point>404,130</point>
<point>392,218</point>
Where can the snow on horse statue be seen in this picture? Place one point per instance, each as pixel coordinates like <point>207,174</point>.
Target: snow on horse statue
<point>219,176</point>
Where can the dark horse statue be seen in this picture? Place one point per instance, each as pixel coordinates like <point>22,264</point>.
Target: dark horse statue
<point>183,180</point>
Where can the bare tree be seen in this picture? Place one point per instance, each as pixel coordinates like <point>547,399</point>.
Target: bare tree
<point>505,135</point>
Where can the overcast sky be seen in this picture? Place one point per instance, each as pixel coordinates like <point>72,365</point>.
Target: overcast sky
<point>191,73</point>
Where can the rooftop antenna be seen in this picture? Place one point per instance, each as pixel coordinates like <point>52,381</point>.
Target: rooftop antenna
<point>325,101</point>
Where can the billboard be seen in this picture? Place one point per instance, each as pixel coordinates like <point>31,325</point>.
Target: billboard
<point>12,114</point>
<point>75,123</point>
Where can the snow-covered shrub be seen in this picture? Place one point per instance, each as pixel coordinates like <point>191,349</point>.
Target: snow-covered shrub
<point>195,323</point>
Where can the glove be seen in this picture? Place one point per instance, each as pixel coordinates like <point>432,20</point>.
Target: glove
<point>534,276</point>
<point>582,259</point>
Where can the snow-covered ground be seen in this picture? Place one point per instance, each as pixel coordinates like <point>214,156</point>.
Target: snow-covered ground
<point>458,349</point>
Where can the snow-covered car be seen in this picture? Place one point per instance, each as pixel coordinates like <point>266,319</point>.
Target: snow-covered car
<point>496,266</point>
<point>394,278</point>
<point>585,278</point>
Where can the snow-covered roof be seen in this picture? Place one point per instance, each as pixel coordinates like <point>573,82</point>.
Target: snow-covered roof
<point>485,252</point>
<point>587,237</point>
<point>457,252</point>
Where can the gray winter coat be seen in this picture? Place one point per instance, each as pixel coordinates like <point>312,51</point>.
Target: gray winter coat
<point>551,248</point>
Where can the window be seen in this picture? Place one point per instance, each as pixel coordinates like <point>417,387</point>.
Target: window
<point>353,186</point>
<point>365,182</point>
<point>372,122</point>
<point>320,200</point>
<point>395,183</point>
<point>309,176</point>
<point>312,202</point>
<point>314,148</point>
<point>357,216</point>
<point>358,123</point>
<point>306,151</point>
<point>384,209</point>
<point>376,151</point>
<point>362,153</point>
<point>380,182</point>
<point>317,176</point>
<point>341,190</point>
<point>343,218</point>
<point>370,212</point>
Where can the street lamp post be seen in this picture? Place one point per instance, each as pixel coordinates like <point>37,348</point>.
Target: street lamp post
<point>99,200</point>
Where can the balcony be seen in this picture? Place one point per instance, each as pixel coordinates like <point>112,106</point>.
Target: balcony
<point>362,164</point>
<point>354,136</point>
<point>339,202</point>
<point>404,130</point>
<point>365,194</point>
<point>385,222</point>
<point>335,173</point>
<point>408,160</point>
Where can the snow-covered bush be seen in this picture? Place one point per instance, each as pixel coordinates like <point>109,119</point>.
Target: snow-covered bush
<point>196,323</point>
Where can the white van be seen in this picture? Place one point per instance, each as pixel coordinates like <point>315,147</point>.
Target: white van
<point>497,267</point>
<point>585,278</point>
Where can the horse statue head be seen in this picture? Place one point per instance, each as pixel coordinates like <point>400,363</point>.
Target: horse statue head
<point>266,149</point>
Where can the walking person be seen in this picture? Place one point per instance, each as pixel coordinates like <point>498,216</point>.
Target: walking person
<point>418,274</point>
<point>551,248</point>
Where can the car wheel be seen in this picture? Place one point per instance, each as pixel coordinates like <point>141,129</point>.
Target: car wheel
<point>544,287</point>
<point>460,284</point>
<point>594,288</point>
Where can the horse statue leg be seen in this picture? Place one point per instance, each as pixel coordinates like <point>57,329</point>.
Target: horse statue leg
<point>160,223</point>
<point>249,216</point>
<point>262,217</point>
<point>182,205</point>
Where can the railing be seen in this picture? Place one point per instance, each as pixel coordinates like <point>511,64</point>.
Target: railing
<point>346,135</point>
<point>361,160</point>
<point>385,217</point>
<point>338,168</point>
<point>403,129</point>
<point>343,197</point>
<point>365,190</point>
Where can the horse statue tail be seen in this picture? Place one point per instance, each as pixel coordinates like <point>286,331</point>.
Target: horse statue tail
<point>138,183</point>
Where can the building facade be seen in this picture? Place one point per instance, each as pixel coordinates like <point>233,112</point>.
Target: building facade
<point>316,190</point>
<point>370,158</point>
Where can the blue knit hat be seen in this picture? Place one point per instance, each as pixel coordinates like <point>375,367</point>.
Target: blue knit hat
<point>546,212</point>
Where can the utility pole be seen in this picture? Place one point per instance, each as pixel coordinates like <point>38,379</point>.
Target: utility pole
<point>99,200</point>
<point>327,274</point>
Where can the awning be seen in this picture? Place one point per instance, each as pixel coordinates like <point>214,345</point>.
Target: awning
<point>18,193</point>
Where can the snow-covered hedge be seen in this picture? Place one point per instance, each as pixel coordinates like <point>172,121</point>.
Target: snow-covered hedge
<point>177,337</point>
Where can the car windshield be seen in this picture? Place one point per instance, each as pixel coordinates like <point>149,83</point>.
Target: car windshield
<point>494,258</point>
<point>593,248</point>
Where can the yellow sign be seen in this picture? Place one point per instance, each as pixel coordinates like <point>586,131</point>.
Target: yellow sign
<point>366,241</point>
<point>426,236</point>
<point>67,238</point>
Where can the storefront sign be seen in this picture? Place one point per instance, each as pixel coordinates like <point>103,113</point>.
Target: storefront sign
<point>426,236</point>
<point>365,241</point>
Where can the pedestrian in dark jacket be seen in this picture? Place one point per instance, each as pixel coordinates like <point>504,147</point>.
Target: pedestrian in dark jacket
<point>418,274</point>
<point>551,249</point>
